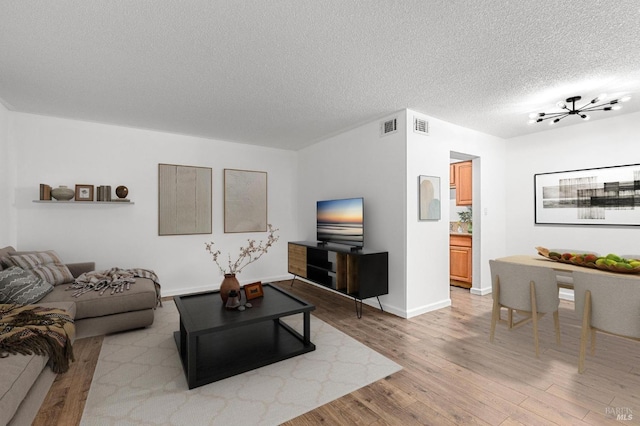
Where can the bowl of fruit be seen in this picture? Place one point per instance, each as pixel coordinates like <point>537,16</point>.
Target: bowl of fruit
<point>610,262</point>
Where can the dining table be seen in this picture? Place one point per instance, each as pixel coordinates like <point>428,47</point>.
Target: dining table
<point>564,269</point>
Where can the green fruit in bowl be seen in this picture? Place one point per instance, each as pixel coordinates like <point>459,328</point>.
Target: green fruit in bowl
<point>615,257</point>
<point>610,262</point>
<point>623,265</point>
<point>634,264</point>
<point>601,261</point>
<point>554,255</point>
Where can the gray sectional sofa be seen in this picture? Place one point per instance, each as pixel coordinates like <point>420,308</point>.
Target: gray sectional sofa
<point>25,379</point>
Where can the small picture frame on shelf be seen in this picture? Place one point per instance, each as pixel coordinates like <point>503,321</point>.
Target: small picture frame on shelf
<point>253,290</point>
<point>84,192</point>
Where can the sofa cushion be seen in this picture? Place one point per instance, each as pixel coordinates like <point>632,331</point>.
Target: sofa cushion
<point>21,287</point>
<point>46,264</point>
<point>17,374</point>
<point>141,295</point>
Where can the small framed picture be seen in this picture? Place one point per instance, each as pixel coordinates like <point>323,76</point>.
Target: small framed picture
<point>253,290</point>
<point>84,192</point>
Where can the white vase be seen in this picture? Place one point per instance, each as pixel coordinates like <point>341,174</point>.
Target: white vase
<point>62,193</point>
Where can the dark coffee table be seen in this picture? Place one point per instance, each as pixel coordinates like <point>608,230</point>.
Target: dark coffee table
<point>215,343</point>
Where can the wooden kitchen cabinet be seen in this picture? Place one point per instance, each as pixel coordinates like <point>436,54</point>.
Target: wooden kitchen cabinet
<point>452,175</point>
<point>460,260</point>
<point>464,183</point>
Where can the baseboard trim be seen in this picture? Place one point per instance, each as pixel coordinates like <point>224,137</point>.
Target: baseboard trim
<point>428,308</point>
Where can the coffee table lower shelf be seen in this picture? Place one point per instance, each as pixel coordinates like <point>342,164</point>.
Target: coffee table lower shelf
<point>236,350</point>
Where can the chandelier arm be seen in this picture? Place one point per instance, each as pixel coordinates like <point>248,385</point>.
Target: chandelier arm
<point>554,114</point>
<point>563,115</point>
<point>595,109</point>
<point>584,107</point>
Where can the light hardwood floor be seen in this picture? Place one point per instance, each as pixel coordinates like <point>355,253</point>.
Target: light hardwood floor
<point>451,374</point>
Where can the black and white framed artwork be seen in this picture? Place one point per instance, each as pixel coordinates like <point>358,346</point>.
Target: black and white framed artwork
<point>599,196</point>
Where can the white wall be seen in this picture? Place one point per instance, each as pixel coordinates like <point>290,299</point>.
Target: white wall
<point>609,142</point>
<point>428,241</point>
<point>6,185</point>
<point>385,170</point>
<point>66,152</point>
<point>361,163</point>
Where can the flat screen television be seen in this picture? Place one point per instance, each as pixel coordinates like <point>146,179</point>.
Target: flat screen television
<point>341,221</point>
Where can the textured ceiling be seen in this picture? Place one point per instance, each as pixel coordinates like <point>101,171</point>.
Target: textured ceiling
<point>289,73</point>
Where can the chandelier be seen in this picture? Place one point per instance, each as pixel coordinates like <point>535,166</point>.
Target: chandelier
<point>596,104</point>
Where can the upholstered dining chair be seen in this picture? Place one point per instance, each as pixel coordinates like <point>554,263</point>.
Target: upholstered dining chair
<point>531,291</point>
<point>611,306</point>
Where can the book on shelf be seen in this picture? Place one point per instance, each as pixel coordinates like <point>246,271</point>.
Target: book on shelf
<point>45,192</point>
<point>103,193</point>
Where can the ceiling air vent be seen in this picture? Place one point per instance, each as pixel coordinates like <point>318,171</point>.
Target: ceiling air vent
<point>390,126</point>
<point>420,126</point>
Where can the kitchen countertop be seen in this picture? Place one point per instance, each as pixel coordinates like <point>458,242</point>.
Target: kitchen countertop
<point>464,234</point>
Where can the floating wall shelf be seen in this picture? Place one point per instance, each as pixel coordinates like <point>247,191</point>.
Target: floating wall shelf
<point>83,202</point>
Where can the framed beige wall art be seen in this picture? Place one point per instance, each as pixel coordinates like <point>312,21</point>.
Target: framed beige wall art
<point>429,197</point>
<point>245,201</point>
<point>184,200</point>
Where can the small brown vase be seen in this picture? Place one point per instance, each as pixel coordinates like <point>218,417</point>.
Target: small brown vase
<point>122,191</point>
<point>229,283</point>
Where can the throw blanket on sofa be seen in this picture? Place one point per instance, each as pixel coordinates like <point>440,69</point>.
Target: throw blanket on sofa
<point>29,329</point>
<point>114,280</point>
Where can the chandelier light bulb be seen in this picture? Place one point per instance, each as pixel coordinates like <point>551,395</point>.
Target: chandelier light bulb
<point>561,104</point>
<point>599,98</point>
<point>532,121</point>
<point>533,115</point>
<point>616,107</point>
<point>625,98</point>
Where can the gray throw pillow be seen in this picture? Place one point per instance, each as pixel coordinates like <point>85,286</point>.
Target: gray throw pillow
<point>45,264</point>
<point>21,287</point>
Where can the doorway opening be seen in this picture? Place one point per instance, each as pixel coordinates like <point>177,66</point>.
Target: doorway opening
<point>464,220</point>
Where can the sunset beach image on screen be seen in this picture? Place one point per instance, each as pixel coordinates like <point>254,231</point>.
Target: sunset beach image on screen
<point>341,221</point>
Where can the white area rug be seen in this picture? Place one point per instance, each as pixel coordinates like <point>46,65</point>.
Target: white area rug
<point>139,380</point>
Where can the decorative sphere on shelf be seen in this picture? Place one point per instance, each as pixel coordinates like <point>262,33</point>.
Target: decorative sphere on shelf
<point>62,193</point>
<point>122,191</point>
